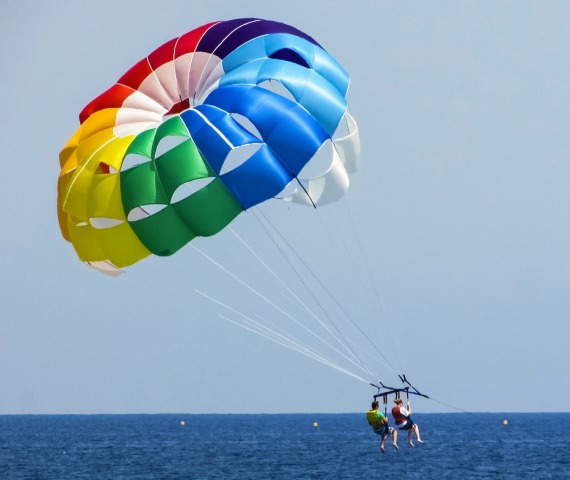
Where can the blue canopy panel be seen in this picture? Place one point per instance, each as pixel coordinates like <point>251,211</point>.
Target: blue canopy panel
<point>215,133</point>
<point>290,137</point>
<point>306,54</point>
<point>314,78</point>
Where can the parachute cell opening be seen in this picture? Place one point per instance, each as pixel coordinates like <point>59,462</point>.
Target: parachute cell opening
<point>290,56</point>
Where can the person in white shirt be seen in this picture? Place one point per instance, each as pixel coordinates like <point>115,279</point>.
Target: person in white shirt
<point>403,420</point>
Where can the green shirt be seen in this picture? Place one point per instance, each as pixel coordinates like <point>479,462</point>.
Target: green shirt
<point>376,419</point>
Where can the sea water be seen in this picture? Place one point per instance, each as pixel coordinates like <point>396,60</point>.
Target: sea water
<point>287,446</point>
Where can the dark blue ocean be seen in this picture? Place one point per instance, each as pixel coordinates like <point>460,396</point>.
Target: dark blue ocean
<point>261,447</point>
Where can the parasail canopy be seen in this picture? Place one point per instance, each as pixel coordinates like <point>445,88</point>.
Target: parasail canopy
<point>208,125</point>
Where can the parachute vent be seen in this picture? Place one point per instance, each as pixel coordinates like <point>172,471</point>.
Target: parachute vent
<point>290,56</point>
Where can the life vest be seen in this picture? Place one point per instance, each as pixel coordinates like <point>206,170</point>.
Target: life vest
<point>399,418</point>
<point>374,420</point>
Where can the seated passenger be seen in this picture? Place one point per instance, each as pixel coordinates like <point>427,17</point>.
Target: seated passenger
<point>403,420</point>
<point>379,424</point>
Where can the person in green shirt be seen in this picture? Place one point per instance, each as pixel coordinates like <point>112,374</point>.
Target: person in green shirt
<point>379,423</point>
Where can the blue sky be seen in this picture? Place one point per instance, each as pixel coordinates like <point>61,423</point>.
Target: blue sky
<point>460,212</point>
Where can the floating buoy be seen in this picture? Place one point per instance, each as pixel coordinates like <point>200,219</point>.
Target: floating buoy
<point>505,422</point>
<point>315,424</point>
<point>182,423</point>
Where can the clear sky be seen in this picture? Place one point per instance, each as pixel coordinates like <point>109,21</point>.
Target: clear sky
<point>460,214</point>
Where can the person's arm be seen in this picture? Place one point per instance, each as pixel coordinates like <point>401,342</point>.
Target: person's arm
<point>409,409</point>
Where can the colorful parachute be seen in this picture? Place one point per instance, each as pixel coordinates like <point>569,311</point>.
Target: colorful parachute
<point>209,124</point>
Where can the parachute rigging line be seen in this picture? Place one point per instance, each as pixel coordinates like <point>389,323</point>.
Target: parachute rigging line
<point>326,290</point>
<point>371,280</point>
<point>337,334</point>
<point>354,323</point>
<point>272,304</point>
<point>295,296</point>
<point>306,192</point>
<point>285,339</point>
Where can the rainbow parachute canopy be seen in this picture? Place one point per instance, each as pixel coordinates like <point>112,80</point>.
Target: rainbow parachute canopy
<point>211,123</point>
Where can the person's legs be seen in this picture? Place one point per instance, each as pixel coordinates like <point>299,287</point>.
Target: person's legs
<point>382,443</point>
<point>417,432</point>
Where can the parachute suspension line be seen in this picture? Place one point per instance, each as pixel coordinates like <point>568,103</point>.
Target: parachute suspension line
<point>347,315</point>
<point>337,334</point>
<point>343,344</point>
<point>377,297</point>
<point>306,192</point>
<point>276,307</point>
<point>290,342</point>
<point>338,305</point>
<point>448,405</point>
<point>299,349</point>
